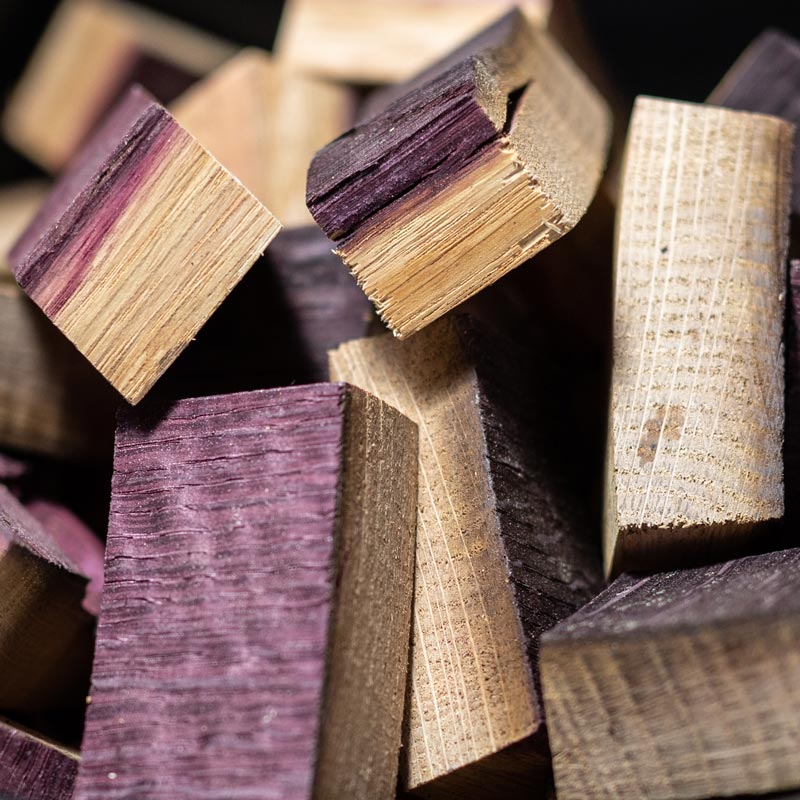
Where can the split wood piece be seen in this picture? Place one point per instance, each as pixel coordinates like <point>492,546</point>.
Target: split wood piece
<point>46,634</point>
<point>766,78</point>
<point>264,123</point>
<point>791,444</point>
<point>33,768</point>
<point>51,400</point>
<point>18,204</point>
<point>696,422</point>
<point>139,242</point>
<point>91,52</point>
<point>682,685</point>
<point>383,41</point>
<point>500,553</point>
<point>260,556</point>
<point>514,135</point>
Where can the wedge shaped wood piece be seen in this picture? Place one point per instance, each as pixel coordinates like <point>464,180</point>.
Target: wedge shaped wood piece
<point>138,244</point>
<point>383,41</point>
<point>766,79</point>
<point>694,455</point>
<point>680,685</point>
<point>463,178</point>
<point>500,555</point>
<point>91,52</point>
<point>32,768</point>
<point>264,122</point>
<point>257,604</point>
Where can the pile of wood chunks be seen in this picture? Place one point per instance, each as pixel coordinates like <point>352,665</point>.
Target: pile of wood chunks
<point>450,409</point>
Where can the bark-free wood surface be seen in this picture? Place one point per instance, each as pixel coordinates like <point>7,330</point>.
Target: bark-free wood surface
<point>264,122</point>
<point>253,640</point>
<point>500,554</point>
<point>18,204</point>
<point>766,78</point>
<point>791,444</point>
<point>694,455</point>
<point>383,41</point>
<point>92,51</point>
<point>138,244</point>
<point>680,685</point>
<point>32,768</point>
<point>463,178</point>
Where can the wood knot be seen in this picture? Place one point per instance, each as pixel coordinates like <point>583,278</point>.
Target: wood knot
<point>666,423</point>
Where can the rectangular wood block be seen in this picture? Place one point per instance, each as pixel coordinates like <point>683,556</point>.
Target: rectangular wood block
<point>464,177</point>
<point>264,122</point>
<point>139,242</point>
<point>694,456</point>
<point>91,52</point>
<point>253,640</point>
<point>383,41</point>
<point>500,554</point>
<point>684,684</point>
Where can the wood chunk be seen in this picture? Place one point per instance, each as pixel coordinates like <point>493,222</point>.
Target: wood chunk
<point>514,134</point>
<point>500,553</point>
<point>92,51</point>
<point>33,768</point>
<point>257,605</point>
<point>264,123</point>
<point>383,41</point>
<point>694,455</point>
<point>766,78</point>
<point>139,242</point>
<point>680,685</point>
<point>18,204</point>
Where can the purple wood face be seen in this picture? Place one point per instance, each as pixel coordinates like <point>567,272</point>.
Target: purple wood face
<point>31,770</point>
<point>210,657</point>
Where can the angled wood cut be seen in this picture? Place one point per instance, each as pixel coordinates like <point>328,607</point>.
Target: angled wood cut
<point>264,122</point>
<point>500,556</point>
<point>257,603</point>
<point>463,178</point>
<point>680,685</point>
<point>91,52</point>
<point>694,456</point>
<point>383,41</point>
<point>139,242</point>
<point>766,79</point>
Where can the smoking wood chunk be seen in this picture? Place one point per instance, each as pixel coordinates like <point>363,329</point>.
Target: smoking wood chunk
<point>46,635</point>
<point>138,244</point>
<point>383,41</point>
<point>264,123</point>
<point>694,455</point>
<point>681,685</point>
<point>766,78</point>
<point>18,204</point>
<point>500,556</point>
<point>91,52</point>
<point>33,768</point>
<point>514,135</point>
<point>257,605</point>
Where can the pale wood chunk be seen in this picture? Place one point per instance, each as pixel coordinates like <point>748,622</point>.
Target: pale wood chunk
<point>264,122</point>
<point>91,52</point>
<point>253,640</point>
<point>684,684</point>
<point>465,176</point>
<point>500,554</point>
<point>138,244</point>
<point>694,455</point>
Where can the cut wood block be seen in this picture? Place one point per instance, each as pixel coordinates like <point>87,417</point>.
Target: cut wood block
<point>18,204</point>
<point>139,242</point>
<point>254,635</point>
<point>383,41</point>
<point>500,554</point>
<point>46,634</point>
<point>682,685</point>
<point>513,134</point>
<point>92,51</point>
<point>766,78</point>
<point>33,768</point>
<point>694,454</point>
<point>264,123</point>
